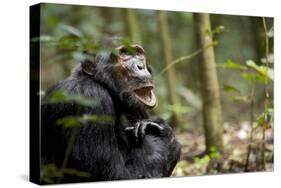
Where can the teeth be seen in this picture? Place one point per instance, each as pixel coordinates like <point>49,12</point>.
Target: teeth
<point>148,97</point>
<point>144,93</point>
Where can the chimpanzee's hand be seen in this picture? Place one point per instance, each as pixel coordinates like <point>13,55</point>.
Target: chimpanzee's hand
<point>141,128</point>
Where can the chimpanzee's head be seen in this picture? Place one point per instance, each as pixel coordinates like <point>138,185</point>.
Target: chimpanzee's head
<point>126,73</point>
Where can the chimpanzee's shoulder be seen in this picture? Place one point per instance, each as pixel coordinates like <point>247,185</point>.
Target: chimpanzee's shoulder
<point>87,87</point>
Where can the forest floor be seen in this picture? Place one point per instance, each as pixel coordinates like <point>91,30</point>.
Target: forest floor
<point>236,149</point>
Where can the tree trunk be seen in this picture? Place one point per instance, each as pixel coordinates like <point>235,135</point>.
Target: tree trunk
<point>212,115</point>
<point>168,57</point>
<point>132,27</point>
<point>257,37</point>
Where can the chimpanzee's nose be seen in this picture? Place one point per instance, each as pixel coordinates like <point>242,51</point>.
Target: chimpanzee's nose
<point>141,69</point>
<point>140,66</point>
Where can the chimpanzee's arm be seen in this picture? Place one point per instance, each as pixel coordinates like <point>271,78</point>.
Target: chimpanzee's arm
<point>156,134</point>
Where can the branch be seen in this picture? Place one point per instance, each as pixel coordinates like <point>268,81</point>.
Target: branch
<point>183,58</point>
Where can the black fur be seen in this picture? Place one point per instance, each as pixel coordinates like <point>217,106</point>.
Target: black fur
<point>106,151</point>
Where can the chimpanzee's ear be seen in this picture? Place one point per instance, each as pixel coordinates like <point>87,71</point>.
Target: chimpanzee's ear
<point>88,67</point>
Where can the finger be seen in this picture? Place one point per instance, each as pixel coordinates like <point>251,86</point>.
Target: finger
<point>157,126</point>
<point>136,131</point>
<point>129,128</point>
<point>142,130</point>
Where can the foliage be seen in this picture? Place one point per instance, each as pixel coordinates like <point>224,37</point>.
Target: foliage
<point>50,173</point>
<point>217,30</point>
<point>200,165</point>
<point>78,46</point>
<point>265,119</point>
<point>262,74</point>
<point>73,121</point>
<point>230,88</point>
<point>62,97</point>
<point>264,71</point>
<point>185,58</point>
<point>73,34</point>
<point>178,109</point>
<point>229,64</point>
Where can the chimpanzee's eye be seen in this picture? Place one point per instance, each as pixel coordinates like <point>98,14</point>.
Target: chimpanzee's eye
<point>123,51</point>
<point>139,52</point>
<point>139,55</point>
<point>123,54</point>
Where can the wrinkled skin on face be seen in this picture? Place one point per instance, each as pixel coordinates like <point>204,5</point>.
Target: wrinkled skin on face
<point>131,70</point>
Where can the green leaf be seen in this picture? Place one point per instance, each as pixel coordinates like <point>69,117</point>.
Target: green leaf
<point>254,78</point>
<point>125,41</point>
<point>182,164</point>
<point>230,88</point>
<point>69,122</point>
<point>73,121</point>
<point>212,44</point>
<point>63,97</point>
<point>82,57</point>
<point>71,30</point>
<point>50,168</point>
<point>208,32</point>
<point>229,64</point>
<point>90,45</point>
<point>251,63</point>
<point>71,42</point>
<point>128,45</point>
<point>214,154</point>
<point>49,172</point>
<point>213,149</point>
<point>43,38</point>
<point>216,30</point>
<point>249,77</point>
<point>260,78</point>
<point>265,118</point>
<point>104,119</point>
<point>178,109</point>
<point>263,70</point>
<point>72,171</point>
<point>242,98</point>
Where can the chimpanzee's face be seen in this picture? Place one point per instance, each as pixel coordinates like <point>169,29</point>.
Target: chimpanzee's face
<point>131,70</point>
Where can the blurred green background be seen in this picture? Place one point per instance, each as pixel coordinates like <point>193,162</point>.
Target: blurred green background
<point>239,38</point>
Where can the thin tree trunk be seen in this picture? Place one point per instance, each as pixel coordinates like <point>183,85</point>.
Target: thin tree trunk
<point>132,27</point>
<point>168,57</point>
<point>249,149</point>
<point>212,115</point>
<point>256,38</point>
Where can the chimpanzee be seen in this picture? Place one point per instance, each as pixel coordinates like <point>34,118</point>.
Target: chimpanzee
<point>133,145</point>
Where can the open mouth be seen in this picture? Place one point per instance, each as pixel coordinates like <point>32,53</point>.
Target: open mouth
<point>146,95</point>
